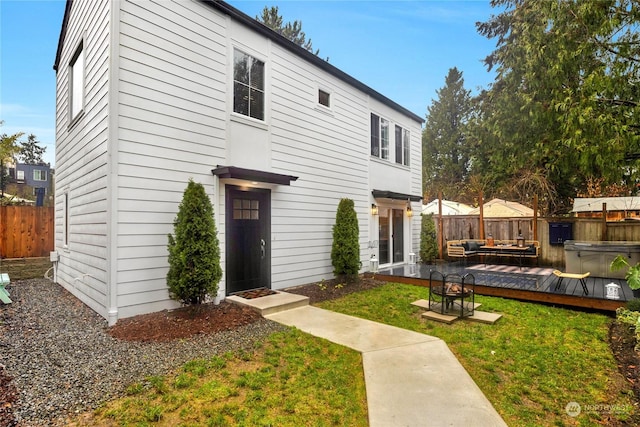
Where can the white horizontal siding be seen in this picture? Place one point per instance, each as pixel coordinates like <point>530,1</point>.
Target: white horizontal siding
<point>328,151</point>
<point>172,113</point>
<point>81,157</point>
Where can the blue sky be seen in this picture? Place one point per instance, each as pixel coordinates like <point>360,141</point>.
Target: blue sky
<point>402,49</point>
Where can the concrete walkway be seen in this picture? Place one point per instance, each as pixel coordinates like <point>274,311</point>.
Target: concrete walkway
<point>412,379</point>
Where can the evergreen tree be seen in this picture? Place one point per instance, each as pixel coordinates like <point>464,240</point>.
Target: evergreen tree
<point>565,102</point>
<point>8,149</point>
<point>30,152</point>
<point>445,154</point>
<point>428,242</point>
<point>291,30</point>
<point>194,252</point>
<point>345,251</point>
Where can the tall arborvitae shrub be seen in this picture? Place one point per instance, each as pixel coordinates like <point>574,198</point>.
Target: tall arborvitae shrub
<point>194,252</point>
<point>428,243</point>
<point>345,251</point>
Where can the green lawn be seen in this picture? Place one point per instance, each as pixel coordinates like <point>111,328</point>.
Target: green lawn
<point>533,362</point>
<point>293,379</point>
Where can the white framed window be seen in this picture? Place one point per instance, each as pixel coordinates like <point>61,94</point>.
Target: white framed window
<point>402,145</point>
<point>20,175</point>
<point>39,175</point>
<point>324,98</point>
<point>379,137</point>
<point>76,83</point>
<point>248,85</point>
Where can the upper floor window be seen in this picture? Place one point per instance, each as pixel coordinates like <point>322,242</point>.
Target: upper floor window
<point>20,175</point>
<point>39,175</point>
<point>248,85</point>
<point>324,98</point>
<point>379,137</point>
<point>76,83</point>
<point>402,146</point>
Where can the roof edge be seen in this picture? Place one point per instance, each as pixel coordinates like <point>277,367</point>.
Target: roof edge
<point>63,34</point>
<point>277,38</point>
<point>308,56</point>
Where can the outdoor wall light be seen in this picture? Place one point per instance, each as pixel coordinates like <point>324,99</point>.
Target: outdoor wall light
<point>374,209</point>
<point>409,210</point>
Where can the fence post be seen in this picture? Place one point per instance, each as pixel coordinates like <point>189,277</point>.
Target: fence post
<point>440,226</point>
<point>604,222</point>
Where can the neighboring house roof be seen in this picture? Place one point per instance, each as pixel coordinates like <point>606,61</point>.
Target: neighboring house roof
<point>594,204</point>
<point>448,208</point>
<point>276,38</point>
<point>498,208</point>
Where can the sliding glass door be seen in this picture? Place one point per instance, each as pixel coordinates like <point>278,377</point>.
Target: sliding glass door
<point>391,235</point>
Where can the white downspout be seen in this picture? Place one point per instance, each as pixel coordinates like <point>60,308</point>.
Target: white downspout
<point>112,165</point>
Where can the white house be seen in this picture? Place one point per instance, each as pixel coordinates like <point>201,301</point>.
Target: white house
<point>151,93</point>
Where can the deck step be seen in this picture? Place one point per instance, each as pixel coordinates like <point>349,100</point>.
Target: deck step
<point>269,304</point>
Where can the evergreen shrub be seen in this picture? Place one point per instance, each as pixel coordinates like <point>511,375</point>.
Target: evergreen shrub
<point>345,251</point>
<point>428,243</point>
<point>194,252</point>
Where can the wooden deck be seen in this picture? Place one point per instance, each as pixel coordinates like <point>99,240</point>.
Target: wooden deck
<point>536,284</point>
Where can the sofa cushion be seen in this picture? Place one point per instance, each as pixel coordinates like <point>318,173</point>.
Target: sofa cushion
<point>474,246</point>
<point>531,249</point>
<point>465,245</point>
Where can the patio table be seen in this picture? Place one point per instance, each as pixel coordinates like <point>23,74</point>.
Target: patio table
<point>507,250</point>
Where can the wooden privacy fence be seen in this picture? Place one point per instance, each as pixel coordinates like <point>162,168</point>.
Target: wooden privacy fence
<point>26,231</point>
<point>456,227</point>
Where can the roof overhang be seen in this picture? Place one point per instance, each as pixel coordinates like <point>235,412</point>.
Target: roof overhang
<point>232,172</point>
<point>384,194</point>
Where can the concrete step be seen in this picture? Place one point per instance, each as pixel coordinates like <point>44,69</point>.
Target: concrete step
<point>280,301</point>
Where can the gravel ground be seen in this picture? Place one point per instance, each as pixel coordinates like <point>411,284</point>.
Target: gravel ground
<point>63,361</point>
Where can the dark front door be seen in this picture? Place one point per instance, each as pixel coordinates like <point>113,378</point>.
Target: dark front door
<point>248,239</point>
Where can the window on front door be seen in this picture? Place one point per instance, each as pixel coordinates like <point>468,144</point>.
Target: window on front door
<point>248,85</point>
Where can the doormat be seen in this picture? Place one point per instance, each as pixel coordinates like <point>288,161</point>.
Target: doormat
<point>255,293</point>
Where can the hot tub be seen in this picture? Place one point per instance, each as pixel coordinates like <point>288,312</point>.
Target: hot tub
<point>596,257</point>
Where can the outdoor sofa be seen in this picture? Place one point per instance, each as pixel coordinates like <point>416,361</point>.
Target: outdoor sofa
<point>470,248</point>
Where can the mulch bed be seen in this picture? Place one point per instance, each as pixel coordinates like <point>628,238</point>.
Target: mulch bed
<point>183,322</point>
